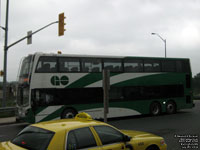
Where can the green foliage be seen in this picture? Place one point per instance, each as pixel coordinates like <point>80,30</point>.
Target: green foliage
<point>1,85</point>
<point>196,86</point>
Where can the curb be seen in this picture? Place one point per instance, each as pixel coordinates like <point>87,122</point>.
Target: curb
<point>9,120</point>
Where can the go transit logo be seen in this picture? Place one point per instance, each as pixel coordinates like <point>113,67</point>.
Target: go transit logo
<point>55,80</point>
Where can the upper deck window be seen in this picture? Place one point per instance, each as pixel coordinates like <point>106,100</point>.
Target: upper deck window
<point>69,65</point>
<point>183,66</point>
<point>168,66</point>
<point>26,65</point>
<point>91,65</point>
<point>114,65</point>
<point>152,66</point>
<point>133,65</point>
<point>47,65</point>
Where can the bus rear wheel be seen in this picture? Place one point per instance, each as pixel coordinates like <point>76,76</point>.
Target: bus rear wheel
<point>171,107</point>
<point>68,113</point>
<point>155,109</point>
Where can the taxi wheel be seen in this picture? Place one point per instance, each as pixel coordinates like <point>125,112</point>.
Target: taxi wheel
<point>129,147</point>
<point>155,108</point>
<point>171,107</point>
<point>68,113</point>
<point>154,147</point>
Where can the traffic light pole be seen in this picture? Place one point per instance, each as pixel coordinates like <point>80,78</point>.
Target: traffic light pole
<point>6,50</point>
<point>5,57</point>
<point>31,34</point>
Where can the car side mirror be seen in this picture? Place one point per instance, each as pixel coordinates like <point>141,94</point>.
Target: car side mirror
<point>127,138</point>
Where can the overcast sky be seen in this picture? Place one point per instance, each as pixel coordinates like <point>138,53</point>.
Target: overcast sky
<point>104,27</point>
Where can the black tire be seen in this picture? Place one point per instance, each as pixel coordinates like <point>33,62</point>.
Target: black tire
<point>154,147</point>
<point>129,147</point>
<point>155,109</point>
<point>68,113</point>
<point>171,107</point>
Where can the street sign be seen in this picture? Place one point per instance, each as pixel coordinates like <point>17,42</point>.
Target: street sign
<point>29,37</point>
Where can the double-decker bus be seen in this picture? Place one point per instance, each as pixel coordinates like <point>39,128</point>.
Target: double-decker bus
<point>53,86</point>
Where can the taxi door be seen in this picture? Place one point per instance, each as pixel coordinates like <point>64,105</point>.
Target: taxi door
<point>114,146</point>
<point>108,138</point>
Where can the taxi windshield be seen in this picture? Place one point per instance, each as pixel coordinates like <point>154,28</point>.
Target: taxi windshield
<point>33,138</point>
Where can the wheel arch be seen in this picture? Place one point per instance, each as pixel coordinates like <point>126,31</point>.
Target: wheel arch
<point>153,103</point>
<point>172,101</point>
<point>67,108</point>
<point>153,147</point>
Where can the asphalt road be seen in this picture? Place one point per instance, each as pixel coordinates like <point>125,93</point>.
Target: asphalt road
<point>181,130</point>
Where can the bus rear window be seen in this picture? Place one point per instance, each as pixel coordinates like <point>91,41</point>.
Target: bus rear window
<point>33,138</point>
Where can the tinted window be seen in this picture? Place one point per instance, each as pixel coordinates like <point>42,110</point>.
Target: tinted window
<point>108,135</point>
<point>47,64</point>
<point>91,65</point>
<point>26,65</point>
<point>151,66</point>
<point>33,138</point>
<point>183,66</point>
<point>152,92</point>
<point>80,138</point>
<point>168,66</point>
<point>113,65</point>
<point>66,96</point>
<point>69,65</point>
<point>186,66</point>
<point>133,65</point>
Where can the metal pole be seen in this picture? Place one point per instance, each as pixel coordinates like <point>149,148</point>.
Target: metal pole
<point>30,34</point>
<point>164,40</point>
<point>5,57</point>
<point>165,48</point>
<point>106,87</point>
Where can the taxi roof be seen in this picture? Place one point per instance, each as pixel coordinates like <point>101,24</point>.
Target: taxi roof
<point>67,124</point>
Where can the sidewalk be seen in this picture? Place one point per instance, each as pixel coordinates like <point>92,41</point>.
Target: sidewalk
<point>8,120</point>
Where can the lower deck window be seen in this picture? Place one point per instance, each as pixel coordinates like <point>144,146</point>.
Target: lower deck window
<point>67,96</point>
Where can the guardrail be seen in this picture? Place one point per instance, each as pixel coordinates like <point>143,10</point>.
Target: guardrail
<point>7,109</point>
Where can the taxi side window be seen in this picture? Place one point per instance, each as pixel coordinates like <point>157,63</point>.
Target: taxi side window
<point>80,138</point>
<point>108,135</point>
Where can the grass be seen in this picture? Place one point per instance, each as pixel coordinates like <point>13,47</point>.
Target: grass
<point>10,103</point>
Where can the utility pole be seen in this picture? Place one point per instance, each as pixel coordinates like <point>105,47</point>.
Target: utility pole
<point>164,40</point>
<point>106,87</point>
<point>5,57</point>
<point>29,37</point>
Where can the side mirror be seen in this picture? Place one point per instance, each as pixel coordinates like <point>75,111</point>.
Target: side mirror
<point>127,138</point>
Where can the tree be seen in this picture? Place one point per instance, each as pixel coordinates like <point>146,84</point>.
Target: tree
<point>196,85</point>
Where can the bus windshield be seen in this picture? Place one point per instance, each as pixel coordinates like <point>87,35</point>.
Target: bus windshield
<point>25,69</point>
<point>22,96</point>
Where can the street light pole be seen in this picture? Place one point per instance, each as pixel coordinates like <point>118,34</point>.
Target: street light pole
<point>164,40</point>
<point>5,57</point>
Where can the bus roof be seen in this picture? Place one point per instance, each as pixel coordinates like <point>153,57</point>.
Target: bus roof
<point>104,56</point>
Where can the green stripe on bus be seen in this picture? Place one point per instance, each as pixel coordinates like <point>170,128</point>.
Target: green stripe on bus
<point>157,79</point>
<point>88,79</point>
<point>53,115</point>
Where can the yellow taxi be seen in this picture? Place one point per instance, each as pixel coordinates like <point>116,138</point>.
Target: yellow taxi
<point>82,132</point>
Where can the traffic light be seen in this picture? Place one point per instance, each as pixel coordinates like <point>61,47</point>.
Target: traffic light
<point>1,73</point>
<point>61,24</point>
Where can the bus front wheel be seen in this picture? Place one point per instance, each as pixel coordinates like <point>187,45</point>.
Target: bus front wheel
<point>171,107</point>
<point>155,108</point>
<point>68,113</point>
